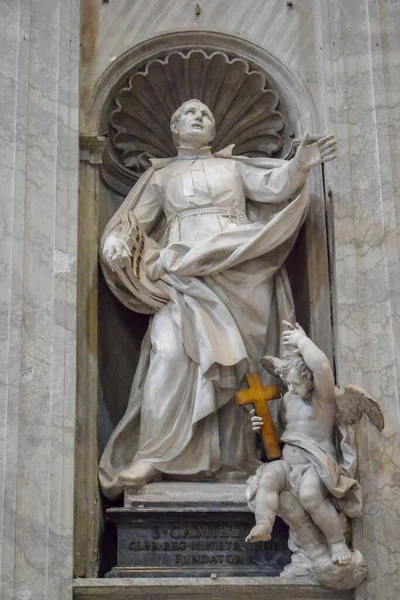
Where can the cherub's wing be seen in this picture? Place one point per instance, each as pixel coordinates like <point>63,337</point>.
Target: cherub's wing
<point>352,403</point>
<point>272,365</point>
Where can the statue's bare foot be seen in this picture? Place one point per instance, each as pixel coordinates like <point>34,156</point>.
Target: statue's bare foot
<point>139,473</point>
<point>340,553</point>
<point>260,533</point>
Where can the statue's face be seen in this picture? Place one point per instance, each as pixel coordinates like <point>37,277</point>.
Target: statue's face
<point>195,124</point>
<point>296,384</point>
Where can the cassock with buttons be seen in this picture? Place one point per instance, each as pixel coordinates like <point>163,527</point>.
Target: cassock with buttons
<point>209,235</point>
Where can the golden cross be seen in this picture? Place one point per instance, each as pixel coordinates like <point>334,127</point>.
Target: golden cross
<point>259,396</point>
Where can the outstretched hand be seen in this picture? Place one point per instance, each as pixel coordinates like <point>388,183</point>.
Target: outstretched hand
<point>309,156</point>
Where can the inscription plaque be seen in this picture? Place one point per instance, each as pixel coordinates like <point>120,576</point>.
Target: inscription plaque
<point>162,540</point>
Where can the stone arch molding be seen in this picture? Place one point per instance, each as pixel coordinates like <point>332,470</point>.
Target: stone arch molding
<point>258,103</point>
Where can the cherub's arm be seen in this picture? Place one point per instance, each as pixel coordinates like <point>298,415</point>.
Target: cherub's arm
<point>315,359</point>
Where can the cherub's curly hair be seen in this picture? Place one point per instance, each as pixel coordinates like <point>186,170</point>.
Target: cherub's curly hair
<point>296,362</point>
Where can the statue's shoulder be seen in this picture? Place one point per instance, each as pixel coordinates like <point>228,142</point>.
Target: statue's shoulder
<point>264,162</point>
<point>161,163</point>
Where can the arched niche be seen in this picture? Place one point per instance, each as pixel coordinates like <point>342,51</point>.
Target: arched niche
<point>117,138</point>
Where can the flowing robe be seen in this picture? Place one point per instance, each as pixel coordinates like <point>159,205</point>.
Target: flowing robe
<point>219,291</point>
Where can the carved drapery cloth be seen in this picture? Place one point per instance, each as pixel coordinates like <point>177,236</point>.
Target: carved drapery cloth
<point>219,292</point>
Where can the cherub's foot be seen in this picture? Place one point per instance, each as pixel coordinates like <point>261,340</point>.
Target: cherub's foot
<point>340,553</point>
<point>260,533</point>
<point>139,473</point>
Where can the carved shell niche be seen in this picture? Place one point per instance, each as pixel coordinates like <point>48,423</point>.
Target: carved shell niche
<point>244,107</point>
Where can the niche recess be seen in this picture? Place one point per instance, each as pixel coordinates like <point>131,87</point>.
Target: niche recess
<point>261,107</point>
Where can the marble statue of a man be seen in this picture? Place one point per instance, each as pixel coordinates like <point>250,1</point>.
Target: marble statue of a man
<point>200,242</point>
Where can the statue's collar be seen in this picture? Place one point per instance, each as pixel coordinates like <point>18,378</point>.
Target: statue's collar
<point>194,152</point>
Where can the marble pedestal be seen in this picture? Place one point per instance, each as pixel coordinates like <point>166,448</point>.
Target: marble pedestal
<point>234,588</point>
<point>192,530</point>
<point>154,500</point>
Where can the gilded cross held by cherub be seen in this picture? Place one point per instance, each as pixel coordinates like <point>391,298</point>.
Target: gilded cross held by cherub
<point>259,396</point>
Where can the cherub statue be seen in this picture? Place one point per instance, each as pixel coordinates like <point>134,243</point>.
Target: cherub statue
<point>318,462</point>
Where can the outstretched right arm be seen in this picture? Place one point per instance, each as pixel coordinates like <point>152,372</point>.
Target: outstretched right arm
<point>284,182</point>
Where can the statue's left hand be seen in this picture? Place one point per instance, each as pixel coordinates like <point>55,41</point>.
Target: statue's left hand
<point>309,156</point>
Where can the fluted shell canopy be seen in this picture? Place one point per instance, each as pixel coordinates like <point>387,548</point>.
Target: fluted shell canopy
<point>245,109</point>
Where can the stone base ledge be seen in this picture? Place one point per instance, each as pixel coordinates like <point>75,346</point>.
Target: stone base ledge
<point>234,588</point>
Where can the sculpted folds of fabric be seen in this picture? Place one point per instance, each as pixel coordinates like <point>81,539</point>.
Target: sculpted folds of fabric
<point>217,286</point>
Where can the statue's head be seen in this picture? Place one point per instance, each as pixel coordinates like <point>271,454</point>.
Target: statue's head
<point>297,376</point>
<point>192,124</point>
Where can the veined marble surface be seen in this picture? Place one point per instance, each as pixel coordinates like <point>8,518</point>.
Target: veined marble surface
<point>177,492</point>
<point>203,588</point>
<point>360,95</point>
<point>38,179</point>
<point>110,29</point>
<point>348,54</point>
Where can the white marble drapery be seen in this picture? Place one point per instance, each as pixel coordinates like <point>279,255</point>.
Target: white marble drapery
<point>225,294</point>
<point>345,55</point>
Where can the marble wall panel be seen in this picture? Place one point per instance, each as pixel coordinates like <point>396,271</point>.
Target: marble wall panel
<point>360,101</point>
<point>38,179</point>
<point>348,56</point>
